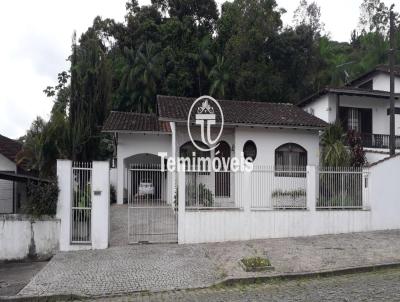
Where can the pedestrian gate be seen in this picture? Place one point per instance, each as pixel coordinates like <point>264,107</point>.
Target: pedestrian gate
<point>152,209</point>
<point>81,218</point>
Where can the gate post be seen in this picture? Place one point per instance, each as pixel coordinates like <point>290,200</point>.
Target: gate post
<point>181,192</point>
<point>100,204</point>
<point>64,176</point>
<point>312,188</point>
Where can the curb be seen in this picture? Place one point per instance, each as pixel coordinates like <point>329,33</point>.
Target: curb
<point>226,282</point>
<point>305,275</point>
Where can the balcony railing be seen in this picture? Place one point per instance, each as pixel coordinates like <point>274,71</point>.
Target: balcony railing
<point>380,141</point>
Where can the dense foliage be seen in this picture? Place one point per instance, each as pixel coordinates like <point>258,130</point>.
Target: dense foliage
<point>189,48</point>
<point>41,198</point>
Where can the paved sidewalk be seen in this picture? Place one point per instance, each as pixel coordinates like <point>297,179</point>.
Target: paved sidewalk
<point>165,267</point>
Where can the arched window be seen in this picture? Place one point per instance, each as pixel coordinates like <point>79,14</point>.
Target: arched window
<point>188,150</point>
<point>290,158</point>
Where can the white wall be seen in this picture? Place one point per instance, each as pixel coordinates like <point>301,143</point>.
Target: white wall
<point>383,200</point>
<point>100,197</point>
<point>382,82</point>
<point>374,156</point>
<point>133,144</point>
<point>323,107</point>
<point>267,140</point>
<point>22,236</point>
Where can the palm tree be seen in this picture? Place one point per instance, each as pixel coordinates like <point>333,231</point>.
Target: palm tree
<point>128,80</point>
<point>202,57</point>
<point>219,77</point>
<point>147,72</point>
<point>334,152</point>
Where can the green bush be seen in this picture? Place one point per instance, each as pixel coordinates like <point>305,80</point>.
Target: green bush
<point>255,262</point>
<point>113,195</point>
<point>292,193</point>
<point>204,198</point>
<point>41,198</point>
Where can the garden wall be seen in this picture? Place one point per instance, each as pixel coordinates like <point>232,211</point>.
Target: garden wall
<point>22,236</point>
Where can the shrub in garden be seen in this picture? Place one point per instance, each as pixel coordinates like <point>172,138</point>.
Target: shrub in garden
<point>41,198</point>
<point>357,153</point>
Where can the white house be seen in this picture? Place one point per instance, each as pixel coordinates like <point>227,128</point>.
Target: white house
<point>362,105</point>
<point>271,133</point>
<point>11,194</point>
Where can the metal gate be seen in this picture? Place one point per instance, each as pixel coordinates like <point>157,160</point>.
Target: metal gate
<point>81,218</point>
<point>152,211</point>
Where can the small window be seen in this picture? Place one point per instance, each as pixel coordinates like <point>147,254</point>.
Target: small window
<point>250,150</point>
<point>290,161</point>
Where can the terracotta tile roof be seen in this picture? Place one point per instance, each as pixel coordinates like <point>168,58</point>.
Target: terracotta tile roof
<point>9,148</point>
<point>134,122</point>
<point>173,108</point>
<point>346,91</point>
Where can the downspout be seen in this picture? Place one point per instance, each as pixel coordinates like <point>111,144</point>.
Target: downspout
<point>337,120</point>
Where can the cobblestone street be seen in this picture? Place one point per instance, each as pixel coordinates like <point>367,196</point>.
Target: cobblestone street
<point>382,285</point>
<point>160,267</point>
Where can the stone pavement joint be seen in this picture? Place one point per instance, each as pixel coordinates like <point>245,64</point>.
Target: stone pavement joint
<point>154,268</point>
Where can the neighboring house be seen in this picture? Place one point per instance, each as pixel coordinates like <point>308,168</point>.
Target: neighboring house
<point>363,106</point>
<point>271,133</point>
<point>12,194</point>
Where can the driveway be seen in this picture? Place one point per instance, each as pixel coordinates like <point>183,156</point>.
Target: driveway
<point>147,224</point>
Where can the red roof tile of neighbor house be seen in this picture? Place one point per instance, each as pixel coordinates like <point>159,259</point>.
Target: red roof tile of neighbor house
<point>134,122</point>
<point>172,108</point>
<point>9,148</point>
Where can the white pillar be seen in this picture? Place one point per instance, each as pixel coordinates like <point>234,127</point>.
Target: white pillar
<point>100,204</point>
<point>120,180</point>
<point>181,206</point>
<point>64,175</point>
<point>312,187</point>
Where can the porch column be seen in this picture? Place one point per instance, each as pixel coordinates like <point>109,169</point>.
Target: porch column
<point>64,176</point>
<point>100,204</point>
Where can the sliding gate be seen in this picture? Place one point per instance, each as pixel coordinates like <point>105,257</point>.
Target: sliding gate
<point>152,214</point>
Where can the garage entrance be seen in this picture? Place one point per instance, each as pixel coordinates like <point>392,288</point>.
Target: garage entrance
<point>152,214</point>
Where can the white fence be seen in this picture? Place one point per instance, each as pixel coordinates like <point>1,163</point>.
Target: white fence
<point>274,202</point>
<point>277,188</point>
<point>343,188</point>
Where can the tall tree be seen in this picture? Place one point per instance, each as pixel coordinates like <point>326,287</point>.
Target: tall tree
<point>90,95</point>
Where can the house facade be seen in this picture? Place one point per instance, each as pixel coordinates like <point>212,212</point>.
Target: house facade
<point>363,106</point>
<point>12,194</point>
<point>272,134</point>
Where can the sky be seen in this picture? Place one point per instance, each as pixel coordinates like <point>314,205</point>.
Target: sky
<point>36,40</point>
